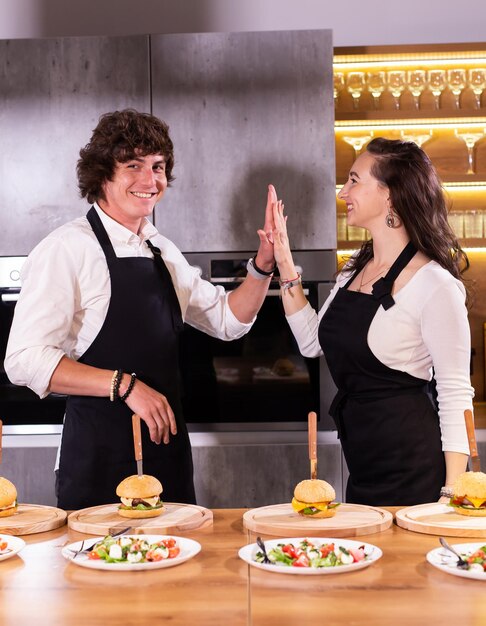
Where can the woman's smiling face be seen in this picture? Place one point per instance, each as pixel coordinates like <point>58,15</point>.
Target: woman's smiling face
<point>367,201</point>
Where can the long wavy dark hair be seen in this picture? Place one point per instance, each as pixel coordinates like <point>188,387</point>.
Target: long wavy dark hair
<point>119,137</point>
<point>417,198</point>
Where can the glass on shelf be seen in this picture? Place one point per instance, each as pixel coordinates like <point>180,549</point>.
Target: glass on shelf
<point>456,222</point>
<point>339,84</point>
<point>358,142</point>
<point>376,82</point>
<point>355,84</point>
<point>437,83</point>
<point>473,224</point>
<point>396,85</point>
<point>456,80</point>
<point>477,82</point>
<point>470,138</point>
<point>417,81</point>
<point>419,137</point>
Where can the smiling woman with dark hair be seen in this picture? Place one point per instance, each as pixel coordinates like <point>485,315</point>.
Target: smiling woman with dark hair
<point>395,319</point>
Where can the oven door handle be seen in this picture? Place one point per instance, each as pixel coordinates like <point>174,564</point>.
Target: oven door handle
<point>276,292</point>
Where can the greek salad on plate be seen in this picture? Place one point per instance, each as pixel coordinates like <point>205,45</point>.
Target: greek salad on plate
<point>473,553</point>
<point>131,552</point>
<point>10,546</point>
<point>309,555</point>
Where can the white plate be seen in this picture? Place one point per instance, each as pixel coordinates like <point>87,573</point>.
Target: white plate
<point>445,561</point>
<point>188,547</point>
<point>247,553</point>
<point>15,545</point>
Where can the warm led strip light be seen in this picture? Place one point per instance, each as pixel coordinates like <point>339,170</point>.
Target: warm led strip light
<point>420,124</point>
<point>476,186</point>
<point>349,251</point>
<point>434,59</point>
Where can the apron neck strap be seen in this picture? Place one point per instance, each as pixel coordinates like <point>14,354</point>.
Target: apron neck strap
<point>101,234</point>
<point>383,287</point>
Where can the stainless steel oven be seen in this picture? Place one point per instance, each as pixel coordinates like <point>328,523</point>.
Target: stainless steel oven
<point>20,405</point>
<point>260,381</point>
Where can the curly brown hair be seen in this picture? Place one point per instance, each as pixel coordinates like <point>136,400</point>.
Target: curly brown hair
<point>119,137</point>
<point>418,199</point>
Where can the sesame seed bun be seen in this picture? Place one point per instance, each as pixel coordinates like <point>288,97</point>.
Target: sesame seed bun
<point>140,488</point>
<point>8,497</point>
<point>135,486</point>
<point>472,484</point>
<point>315,490</point>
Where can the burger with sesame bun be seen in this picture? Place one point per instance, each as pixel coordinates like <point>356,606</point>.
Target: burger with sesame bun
<point>313,498</point>
<point>140,497</point>
<point>470,494</point>
<point>8,498</point>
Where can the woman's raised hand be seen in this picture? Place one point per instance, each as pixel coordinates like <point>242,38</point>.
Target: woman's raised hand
<point>281,245</point>
<point>265,258</point>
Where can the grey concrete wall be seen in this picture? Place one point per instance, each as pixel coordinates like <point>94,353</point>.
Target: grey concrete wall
<point>52,93</point>
<point>246,110</point>
<point>234,476</point>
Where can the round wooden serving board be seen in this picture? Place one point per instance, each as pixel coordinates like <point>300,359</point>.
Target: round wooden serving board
<point>32,518</point>
<point>440,519</point>
<point>104,520</point>
<point>350,520</point>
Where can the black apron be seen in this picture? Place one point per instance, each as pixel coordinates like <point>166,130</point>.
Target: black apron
<point>388,427</point>
<point>139,334</point>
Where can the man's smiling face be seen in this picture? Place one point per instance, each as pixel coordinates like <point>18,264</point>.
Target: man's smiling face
<point>136,187</point>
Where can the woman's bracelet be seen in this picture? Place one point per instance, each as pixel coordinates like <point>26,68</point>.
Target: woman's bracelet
<point>446,492</point>
<point>115,384</point>
<point>291,282</point>
<point>133,378</point>
<point>253,269</point>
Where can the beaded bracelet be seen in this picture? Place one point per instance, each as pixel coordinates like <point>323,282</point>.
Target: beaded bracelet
<point>115,384</point>
<point>124,397</point>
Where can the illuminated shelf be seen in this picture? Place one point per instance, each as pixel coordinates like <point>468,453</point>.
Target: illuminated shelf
<point>449,59</point>
<point>452,184</point>
<point>469,245</point>
<point>449,123</point>
<point>431,114</point>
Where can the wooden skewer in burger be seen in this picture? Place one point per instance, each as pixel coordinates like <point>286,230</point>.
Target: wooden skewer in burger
<point>8,492</point>
<point>140,493</point>
<point>314,497</point>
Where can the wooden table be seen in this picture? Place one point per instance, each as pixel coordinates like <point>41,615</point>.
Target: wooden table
<point>39,587</point>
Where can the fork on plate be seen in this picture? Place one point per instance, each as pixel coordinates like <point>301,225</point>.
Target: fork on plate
<point>83,550</point>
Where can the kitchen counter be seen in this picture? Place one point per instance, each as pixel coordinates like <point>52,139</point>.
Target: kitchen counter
<point>216,587</point>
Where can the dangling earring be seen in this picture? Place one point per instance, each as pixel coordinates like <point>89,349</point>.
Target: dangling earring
<point>390,219</point>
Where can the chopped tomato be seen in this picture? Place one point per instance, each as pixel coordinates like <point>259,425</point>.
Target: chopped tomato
<point>173,552</point>
<point>168,543</point>
<point>93,555</point>
<point>290,551</point>
<point>3,545</point>
<point>301,561</point>
<point>326,549</point>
